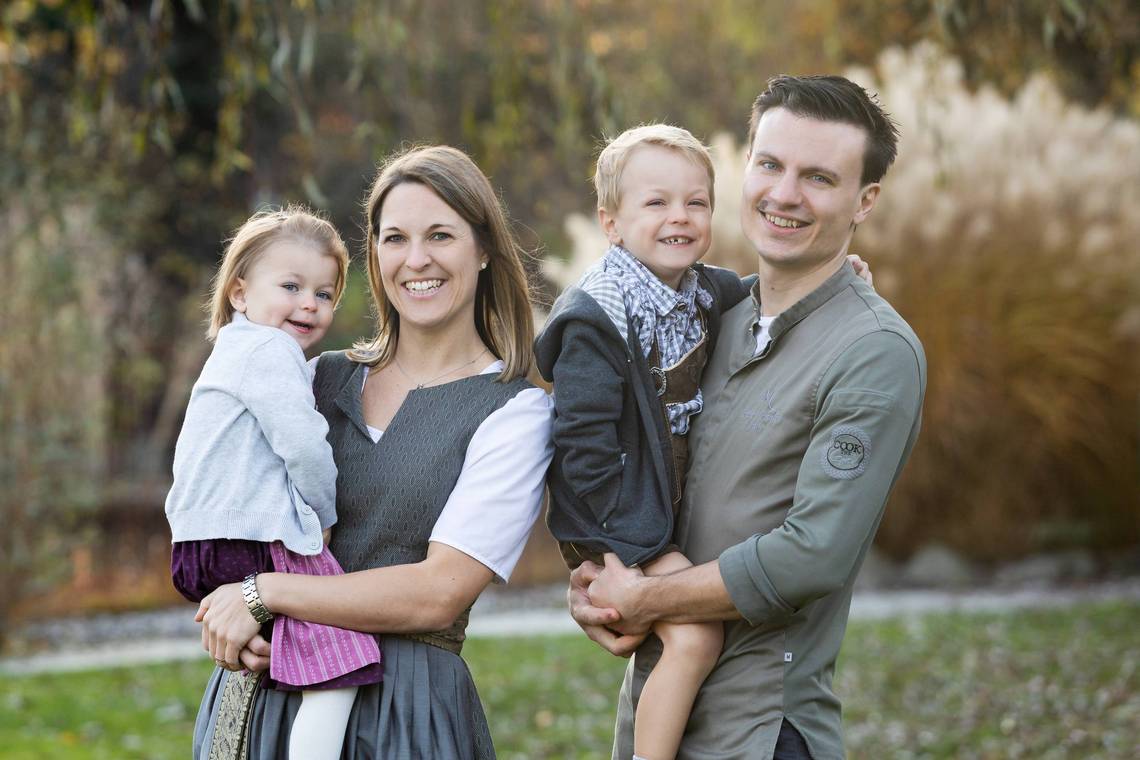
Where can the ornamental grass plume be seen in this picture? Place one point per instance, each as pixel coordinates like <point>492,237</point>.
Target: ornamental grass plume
<point>1006,235</point>
<point>1008,239</point>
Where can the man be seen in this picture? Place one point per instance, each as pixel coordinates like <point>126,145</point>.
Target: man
<point>812,405</point>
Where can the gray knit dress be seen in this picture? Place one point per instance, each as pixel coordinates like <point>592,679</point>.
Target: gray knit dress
<point>389,496</point>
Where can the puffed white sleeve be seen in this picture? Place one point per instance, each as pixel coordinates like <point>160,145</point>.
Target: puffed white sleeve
<point>498,496</point>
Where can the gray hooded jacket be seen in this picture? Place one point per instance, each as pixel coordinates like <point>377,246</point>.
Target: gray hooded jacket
<point>610,481</point>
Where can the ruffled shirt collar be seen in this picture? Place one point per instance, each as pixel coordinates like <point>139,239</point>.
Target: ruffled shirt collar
<point>648,298</point>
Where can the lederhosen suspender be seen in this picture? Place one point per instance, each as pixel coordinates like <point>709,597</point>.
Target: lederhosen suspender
<point>675,385</point>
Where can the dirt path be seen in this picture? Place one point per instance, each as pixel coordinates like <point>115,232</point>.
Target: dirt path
<point>165,635</point>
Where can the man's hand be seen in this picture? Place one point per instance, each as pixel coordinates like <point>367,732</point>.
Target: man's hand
<point>227,625</point>
<point>619,587</point>
<point>862,268</point>
<point>595,620</point>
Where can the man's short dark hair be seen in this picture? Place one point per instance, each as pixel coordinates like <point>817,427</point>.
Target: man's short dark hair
<point>832,98</point>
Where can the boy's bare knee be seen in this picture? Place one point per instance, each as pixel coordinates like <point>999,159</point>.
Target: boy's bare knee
<point>693,642</point>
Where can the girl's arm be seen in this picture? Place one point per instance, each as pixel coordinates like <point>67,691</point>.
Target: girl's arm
<point>277,390</point>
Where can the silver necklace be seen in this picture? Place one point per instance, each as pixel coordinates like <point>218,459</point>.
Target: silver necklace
<point>412,380</point>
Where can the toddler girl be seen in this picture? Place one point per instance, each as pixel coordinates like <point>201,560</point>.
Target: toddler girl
<point>254,478</point>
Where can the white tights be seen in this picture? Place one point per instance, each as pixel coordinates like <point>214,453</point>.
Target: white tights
<point>318,729</point>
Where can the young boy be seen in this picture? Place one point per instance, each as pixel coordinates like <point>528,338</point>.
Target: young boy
<point>625,349</point>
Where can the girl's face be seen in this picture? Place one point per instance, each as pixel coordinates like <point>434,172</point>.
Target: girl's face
<point>429,259</point>
<point>291,287</point>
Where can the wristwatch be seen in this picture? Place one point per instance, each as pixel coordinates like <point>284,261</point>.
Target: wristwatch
<point>253,599</point>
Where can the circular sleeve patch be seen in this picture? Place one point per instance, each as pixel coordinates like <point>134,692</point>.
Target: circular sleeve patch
<point>845,457</point>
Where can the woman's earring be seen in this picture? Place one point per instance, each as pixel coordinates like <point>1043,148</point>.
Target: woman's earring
<point>483,266</point>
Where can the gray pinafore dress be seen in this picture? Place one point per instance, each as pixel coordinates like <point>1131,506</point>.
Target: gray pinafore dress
<point>389,496</point>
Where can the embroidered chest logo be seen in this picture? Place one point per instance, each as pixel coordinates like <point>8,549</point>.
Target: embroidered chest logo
<point>845,457</point>
<point>767,415</point>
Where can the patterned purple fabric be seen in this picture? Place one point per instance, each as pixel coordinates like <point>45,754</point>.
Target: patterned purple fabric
<point>310,653</point>
<point>199,567</point>
<point>302,652</point>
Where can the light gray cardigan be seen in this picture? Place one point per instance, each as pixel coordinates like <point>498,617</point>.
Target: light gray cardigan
<point>252,461</point>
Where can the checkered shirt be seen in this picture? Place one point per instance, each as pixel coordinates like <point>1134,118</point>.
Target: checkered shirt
<point>656,310</point>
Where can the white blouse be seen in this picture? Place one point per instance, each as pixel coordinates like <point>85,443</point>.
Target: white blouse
<point>491,510</point>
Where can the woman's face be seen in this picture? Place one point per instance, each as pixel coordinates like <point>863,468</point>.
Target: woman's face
<point>429,260</point>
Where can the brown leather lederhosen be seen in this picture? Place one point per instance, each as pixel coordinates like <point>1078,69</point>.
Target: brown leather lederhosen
<point>674,385</point>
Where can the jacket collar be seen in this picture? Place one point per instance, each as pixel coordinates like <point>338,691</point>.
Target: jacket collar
<point>806,305</point>
<point>744,342</point>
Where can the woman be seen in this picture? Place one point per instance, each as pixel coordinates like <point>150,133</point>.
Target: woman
<point>441,446</point>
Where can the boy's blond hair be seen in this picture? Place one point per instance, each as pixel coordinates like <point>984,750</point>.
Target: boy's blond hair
<point>294,223</point>
<point>614,157</point>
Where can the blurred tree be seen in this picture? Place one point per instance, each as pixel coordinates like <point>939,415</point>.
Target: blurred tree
<point>155,127</point>
<point>1091,47</point>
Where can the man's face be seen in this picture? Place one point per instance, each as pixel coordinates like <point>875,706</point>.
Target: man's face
<point>802,191</point>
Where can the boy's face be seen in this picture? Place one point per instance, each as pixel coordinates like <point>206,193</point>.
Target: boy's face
<point>291,286</point>
<point>664,217</point>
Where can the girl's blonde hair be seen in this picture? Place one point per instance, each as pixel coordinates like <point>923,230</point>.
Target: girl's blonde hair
<point>294,223</point>
<point>614,157</point>
<point>502,297</point>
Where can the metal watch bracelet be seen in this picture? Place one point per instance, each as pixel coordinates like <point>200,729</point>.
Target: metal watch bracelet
<point>253,599</point>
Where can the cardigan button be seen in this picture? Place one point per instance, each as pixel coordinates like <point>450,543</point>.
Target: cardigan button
<point>315,545</point>
<point>306,509</point>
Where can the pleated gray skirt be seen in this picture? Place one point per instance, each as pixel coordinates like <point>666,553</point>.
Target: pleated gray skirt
<point>426,707</point>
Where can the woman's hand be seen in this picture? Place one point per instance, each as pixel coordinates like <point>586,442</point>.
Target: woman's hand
<point>594,621</point>
<point>227,625</point>
<point>255,656</point>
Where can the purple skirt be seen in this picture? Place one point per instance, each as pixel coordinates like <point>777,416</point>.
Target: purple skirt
<point>303,655</point>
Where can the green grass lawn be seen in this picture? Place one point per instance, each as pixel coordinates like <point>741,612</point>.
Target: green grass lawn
<point>1044,684</point>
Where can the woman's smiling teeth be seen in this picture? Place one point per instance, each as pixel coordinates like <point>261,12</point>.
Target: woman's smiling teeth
<point>781,221</point>
<point>423,286</point>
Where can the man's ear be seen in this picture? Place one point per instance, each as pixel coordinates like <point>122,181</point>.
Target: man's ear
<point>237,295</point>
<point>608,222</point>
<point>867,197</point>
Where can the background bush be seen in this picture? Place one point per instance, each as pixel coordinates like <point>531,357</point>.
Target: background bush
<point>134,136</point>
